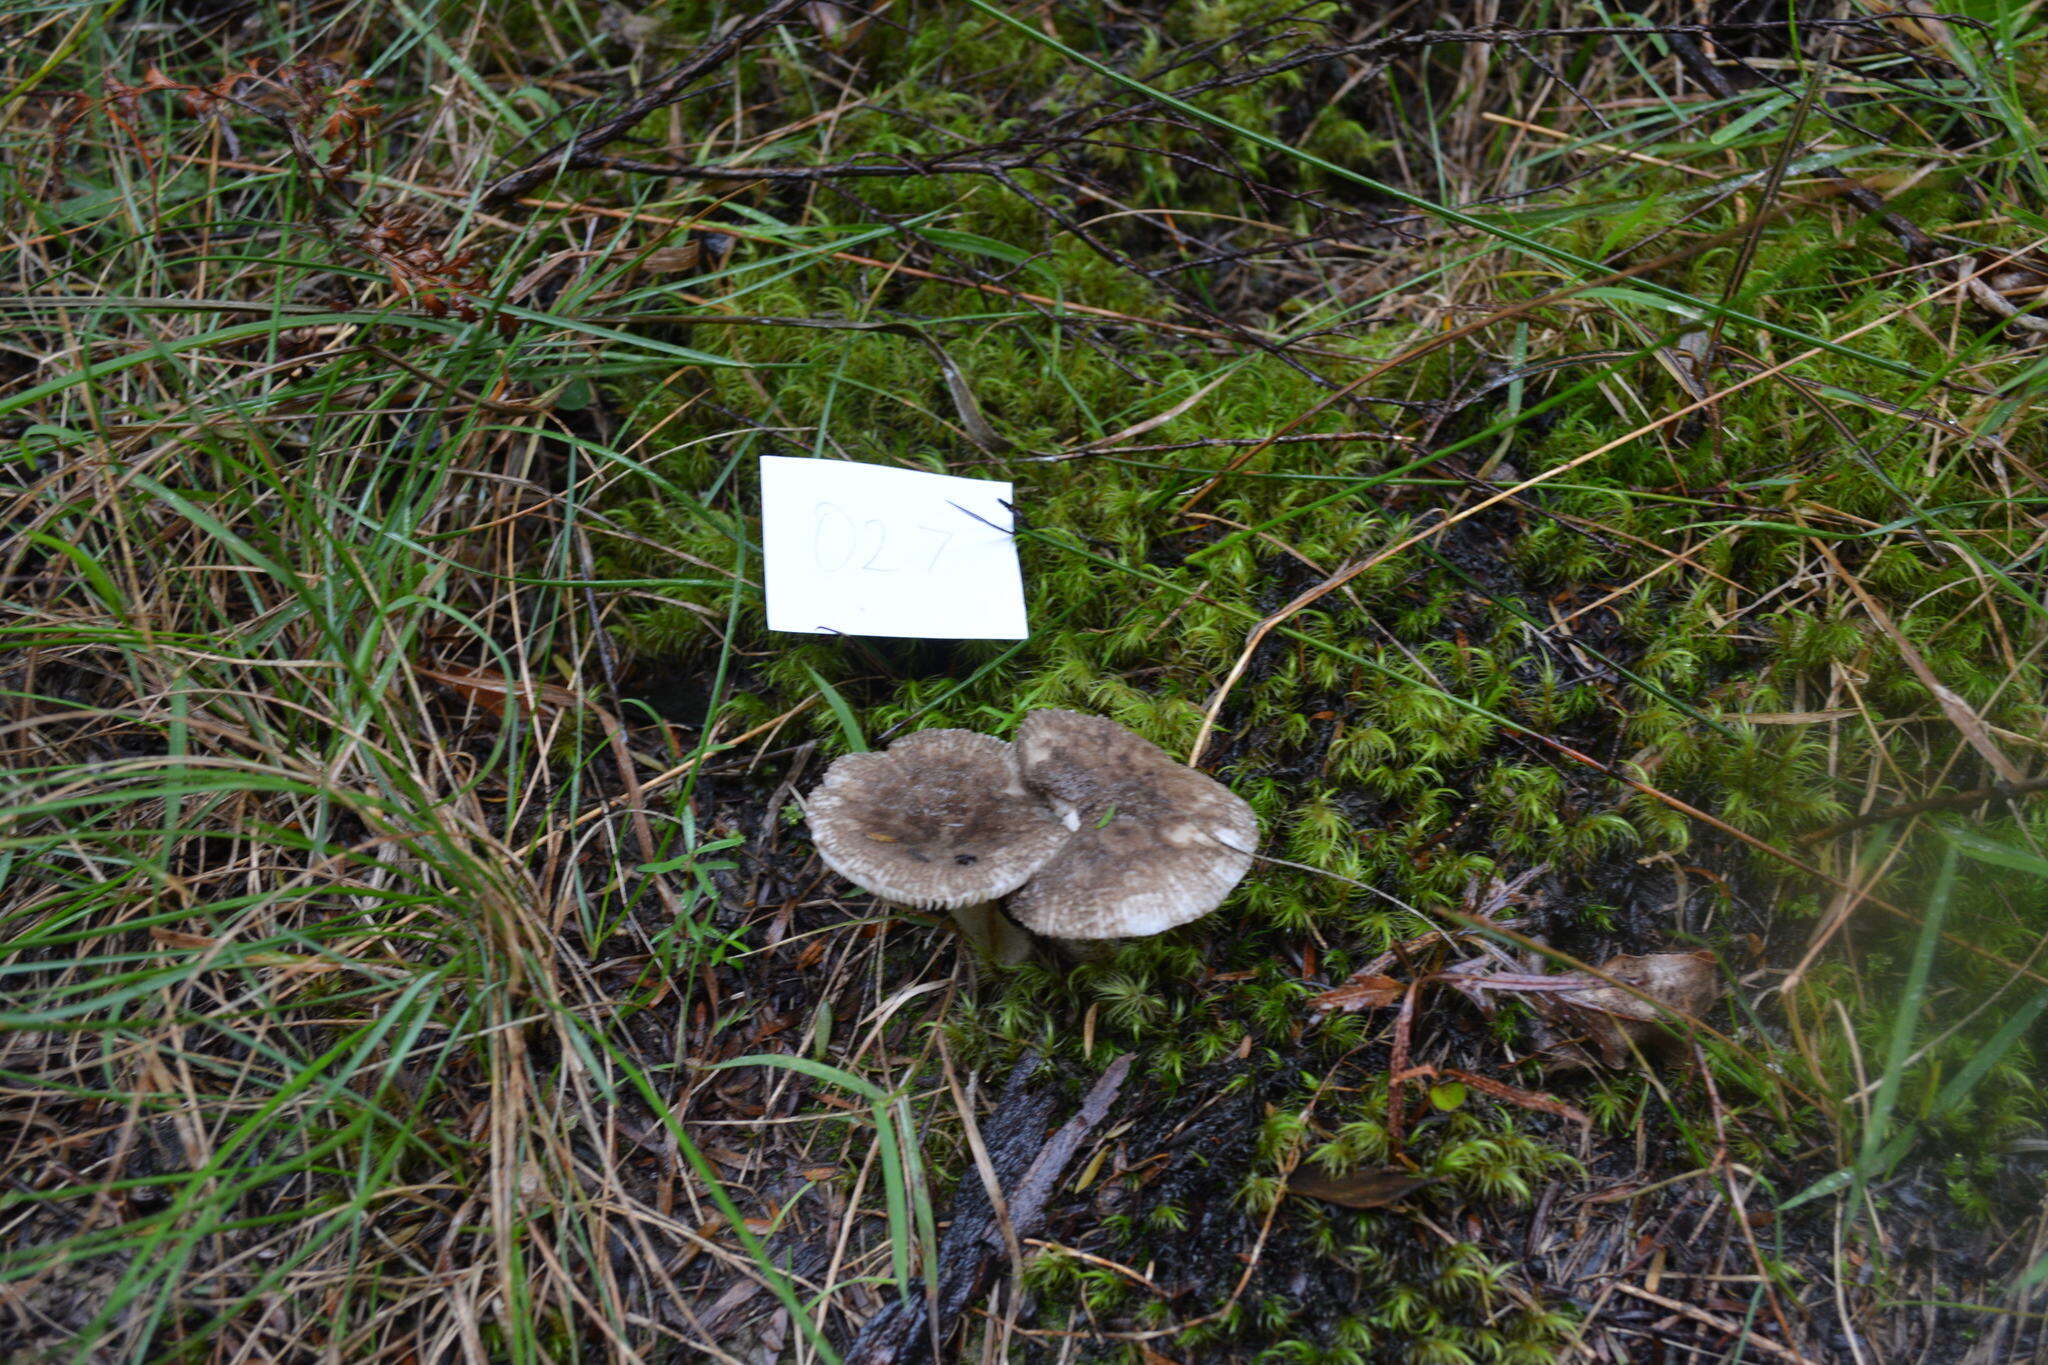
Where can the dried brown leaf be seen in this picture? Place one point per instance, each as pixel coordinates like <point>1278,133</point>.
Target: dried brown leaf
<point>1477,983</point>
<point>1486,900</point>
<point>1397,1064</point>
<point>672,260</point>
<point>489,690</point>
<point>1367,1189</point>
<point>1617,1023</point>
<point>1365,991</point>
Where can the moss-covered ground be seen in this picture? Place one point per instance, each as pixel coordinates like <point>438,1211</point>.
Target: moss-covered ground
<point>1584,474</point>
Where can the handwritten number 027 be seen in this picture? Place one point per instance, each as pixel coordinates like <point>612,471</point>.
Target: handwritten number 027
<point>837,542</point>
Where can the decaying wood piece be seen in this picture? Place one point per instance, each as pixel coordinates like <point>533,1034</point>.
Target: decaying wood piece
<point>1028,1168</point>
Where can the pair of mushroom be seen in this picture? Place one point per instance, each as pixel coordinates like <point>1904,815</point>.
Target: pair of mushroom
<point>1092,832</point>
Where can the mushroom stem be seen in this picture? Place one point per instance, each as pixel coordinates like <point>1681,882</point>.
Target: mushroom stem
<point>993,936</point>
<point>1087,949</point>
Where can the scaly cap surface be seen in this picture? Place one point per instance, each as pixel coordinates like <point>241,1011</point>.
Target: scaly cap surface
<point>936,821</point>
<point>1155,844</point>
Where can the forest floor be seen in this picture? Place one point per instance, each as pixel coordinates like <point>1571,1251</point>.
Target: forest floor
<point>1574,469</point>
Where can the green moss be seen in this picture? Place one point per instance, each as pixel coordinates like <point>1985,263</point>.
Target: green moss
<point>1383,736</point>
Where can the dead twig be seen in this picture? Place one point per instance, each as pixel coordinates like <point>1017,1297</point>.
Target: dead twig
<point>1969,800</point>
<point>1029,1172</point>
<point>580,152</point>
<point>1718,1323</point>
<point>1917,243</point>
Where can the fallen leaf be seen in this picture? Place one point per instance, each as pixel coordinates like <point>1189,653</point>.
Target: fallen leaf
<point>1485,900</point>
<point>1367,1189</point>
<point>828,18</point>
<point>726,1156</point>
<point>1361,992</point>
<point>671,260</point>
<point>1475,981</point>
<point>1617,1023</point>
<point>489,690</point>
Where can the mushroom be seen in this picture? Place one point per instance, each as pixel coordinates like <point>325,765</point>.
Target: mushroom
<point>1155,844</point>
<point>937,821</point>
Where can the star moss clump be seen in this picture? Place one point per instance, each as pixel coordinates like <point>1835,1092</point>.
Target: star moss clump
<point>1606,675</point>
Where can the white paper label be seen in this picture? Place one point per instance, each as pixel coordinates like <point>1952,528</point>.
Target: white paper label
<point>867,549</point>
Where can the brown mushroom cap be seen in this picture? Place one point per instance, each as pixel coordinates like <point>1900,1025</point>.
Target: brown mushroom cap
<point>936,821</point>
<point>1155,843</point>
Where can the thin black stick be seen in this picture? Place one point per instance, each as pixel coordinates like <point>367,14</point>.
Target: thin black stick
<point>580,152</point>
